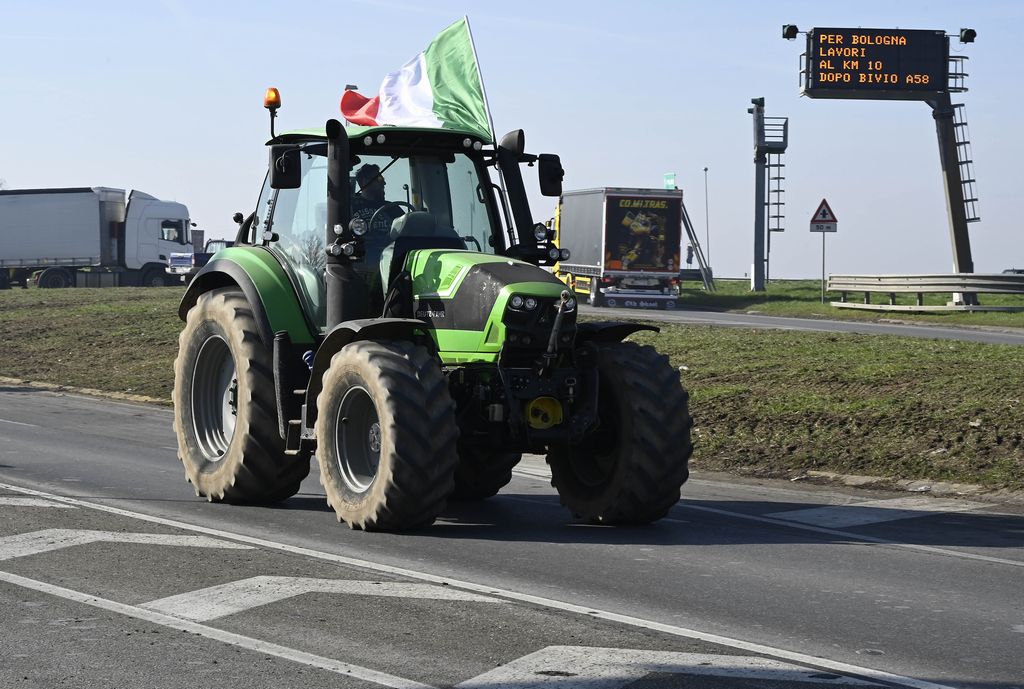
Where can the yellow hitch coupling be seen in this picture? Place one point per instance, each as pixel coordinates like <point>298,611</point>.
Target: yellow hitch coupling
<point>543,412</point>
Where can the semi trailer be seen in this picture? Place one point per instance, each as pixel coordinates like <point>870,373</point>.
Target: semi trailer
<point>88,237</point>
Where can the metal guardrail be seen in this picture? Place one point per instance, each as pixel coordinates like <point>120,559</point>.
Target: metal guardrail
<point>962,286</point>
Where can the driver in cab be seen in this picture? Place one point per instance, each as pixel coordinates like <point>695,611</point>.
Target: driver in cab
<point>370,198</point>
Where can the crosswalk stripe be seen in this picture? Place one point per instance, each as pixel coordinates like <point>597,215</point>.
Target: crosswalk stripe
<point>35,542</point>
<point>14,501</point>
<point>237,596</point>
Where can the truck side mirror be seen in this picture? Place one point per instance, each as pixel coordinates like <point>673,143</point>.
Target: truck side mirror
<point>285,167</point>
<point>550,173</point>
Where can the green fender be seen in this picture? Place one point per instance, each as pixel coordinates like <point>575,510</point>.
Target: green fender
<point>264,283</point>
<point>342,334</point>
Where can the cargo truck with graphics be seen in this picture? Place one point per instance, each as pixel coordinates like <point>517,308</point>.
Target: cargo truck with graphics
<point>625,246</point>
<point>420,357</point>
<point>88,237</point>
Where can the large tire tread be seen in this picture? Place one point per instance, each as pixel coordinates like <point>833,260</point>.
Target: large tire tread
<point>653,465</point>
<point>418,451</point>
<point>254,469</point>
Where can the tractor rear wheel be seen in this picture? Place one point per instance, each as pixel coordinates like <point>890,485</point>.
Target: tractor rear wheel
<point>630,468</point>
<point>225,414</point>
<point>480,475</point>
<point>386,436</point>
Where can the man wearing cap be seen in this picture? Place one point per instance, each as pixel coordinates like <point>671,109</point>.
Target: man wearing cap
<point>370,198</point>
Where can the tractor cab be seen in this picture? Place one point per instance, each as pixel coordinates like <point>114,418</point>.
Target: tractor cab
<point>435,193</point>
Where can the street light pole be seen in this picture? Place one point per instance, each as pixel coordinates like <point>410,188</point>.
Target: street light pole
<point>707,227</point>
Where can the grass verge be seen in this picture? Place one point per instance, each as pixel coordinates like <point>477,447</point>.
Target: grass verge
<point>765,403</point>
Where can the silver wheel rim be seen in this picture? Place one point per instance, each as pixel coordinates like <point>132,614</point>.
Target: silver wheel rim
<point>357,439</point>
<point>214,398</point>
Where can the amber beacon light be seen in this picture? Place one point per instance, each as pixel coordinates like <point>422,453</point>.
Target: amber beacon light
<point>272,101</point>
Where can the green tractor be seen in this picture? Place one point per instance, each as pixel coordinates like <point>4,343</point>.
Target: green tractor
<point>418,352</point>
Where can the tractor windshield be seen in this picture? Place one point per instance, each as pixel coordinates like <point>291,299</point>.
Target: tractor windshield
<point>384,188</point>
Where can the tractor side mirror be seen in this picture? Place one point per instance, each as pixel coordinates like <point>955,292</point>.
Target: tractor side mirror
<point>285,167</point>
<point>550,173</point>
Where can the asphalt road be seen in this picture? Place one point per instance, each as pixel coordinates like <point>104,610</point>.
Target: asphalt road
<point>990,335</point>
<point>113,574</point>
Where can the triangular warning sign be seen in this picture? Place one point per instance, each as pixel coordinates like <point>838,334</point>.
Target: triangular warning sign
<point>824,213</point>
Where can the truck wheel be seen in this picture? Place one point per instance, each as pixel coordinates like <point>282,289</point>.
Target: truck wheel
<point>154,277</point>
<point>225,414</point>
<point>630,468</point>
<point>53,278</point>
<point>480,475</point>
<point>386,436</point>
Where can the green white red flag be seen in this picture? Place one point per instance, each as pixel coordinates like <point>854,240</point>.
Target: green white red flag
<point>440,87</point>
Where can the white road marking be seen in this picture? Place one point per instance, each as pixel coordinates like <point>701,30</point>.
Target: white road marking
<point>257,645</point>
<point>579,667</point>
<point>539,473</point>
<point>12,501</point>
<point>672,630</point>
<point>227,599</point>
<point>849,535</point>
<point>47,540</point>
<point>875,511</point>
<point>19,423</point>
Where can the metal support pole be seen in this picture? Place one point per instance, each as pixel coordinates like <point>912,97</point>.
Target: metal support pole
<point>760,171</point>
<point>707,224</point>
<point>757,274</point>
<point>823,267</point>
<point>942,111</point>
<point>767,247</point>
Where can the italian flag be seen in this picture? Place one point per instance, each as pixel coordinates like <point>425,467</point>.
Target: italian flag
<point>440,87</point>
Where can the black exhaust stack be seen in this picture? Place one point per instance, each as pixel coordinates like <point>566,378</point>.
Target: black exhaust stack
<point>346,292</point>
<point>510,155</point>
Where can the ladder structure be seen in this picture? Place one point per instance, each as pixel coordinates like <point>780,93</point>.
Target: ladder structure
<point>964,160</point>
<point>776,199</point>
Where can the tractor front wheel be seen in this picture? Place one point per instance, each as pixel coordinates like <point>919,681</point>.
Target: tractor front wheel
<point>225,414</point>
<point>630,468</point>
<point>386,436</point>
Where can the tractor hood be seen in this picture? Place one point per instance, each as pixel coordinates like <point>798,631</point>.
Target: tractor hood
<point>464,296</point>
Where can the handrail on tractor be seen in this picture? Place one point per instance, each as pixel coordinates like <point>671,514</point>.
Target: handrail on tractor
<point>963,287</point>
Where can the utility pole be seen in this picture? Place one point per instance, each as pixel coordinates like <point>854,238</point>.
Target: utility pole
<point>707,226</point>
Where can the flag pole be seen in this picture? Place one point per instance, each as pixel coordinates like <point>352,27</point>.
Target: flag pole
<point>490,119</point>
<point>480,76</point>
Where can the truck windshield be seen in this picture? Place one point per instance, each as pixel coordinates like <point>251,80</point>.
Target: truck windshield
<point>383,189</point>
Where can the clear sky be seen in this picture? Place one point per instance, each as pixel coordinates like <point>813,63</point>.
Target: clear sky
<point>166,97</point>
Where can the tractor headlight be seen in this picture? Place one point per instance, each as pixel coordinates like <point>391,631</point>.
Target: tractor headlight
<point>540,232</point>
<point>563,255</point>
<point>516,302</point>
<point>570,304</point>
<point>553,253</point>
<point>530,303</point>
<point>358,226</point>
